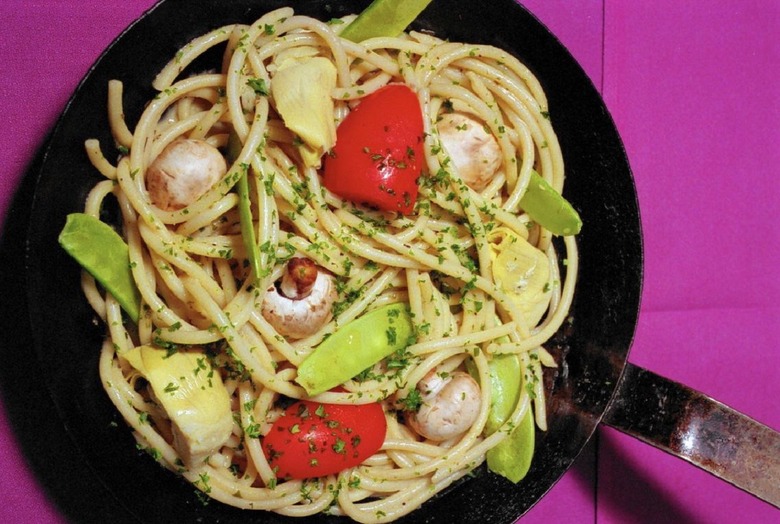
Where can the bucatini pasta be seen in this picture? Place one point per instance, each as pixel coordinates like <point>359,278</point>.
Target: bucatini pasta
<point>473,273</point>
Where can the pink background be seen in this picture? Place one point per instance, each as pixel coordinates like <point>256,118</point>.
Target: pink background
<point>693,88</point>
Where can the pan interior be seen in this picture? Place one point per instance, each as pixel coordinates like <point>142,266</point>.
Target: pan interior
<point>591,349</point>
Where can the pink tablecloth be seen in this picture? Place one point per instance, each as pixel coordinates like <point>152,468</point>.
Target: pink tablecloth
<point>693,89</point>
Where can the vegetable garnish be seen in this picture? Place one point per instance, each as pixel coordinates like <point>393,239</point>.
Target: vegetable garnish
<point>314,440</point>
<point>521,271</point>
<point>512,456</point>
<point>355,347</point>
<point>192,395</point>
<point>247,225</point>
<point>102,252</point>
<point>548,208</point>
<point>301,90</point>
<point>384,18</point>
<point>505,377</point>
<point>378,154</point>
<point>245,209</point>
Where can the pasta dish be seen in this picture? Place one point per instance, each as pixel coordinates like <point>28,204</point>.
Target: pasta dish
<point>334,276</point>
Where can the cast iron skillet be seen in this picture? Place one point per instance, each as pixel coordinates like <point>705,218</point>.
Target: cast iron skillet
<point>592,350</point>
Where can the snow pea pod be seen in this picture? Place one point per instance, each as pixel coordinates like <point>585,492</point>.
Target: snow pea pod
<point>511,458</point>
<point>355,347</point>
<point>245,208</point>
<point>247,226</point>
<point>105,255</point>
<point>384,18</point>
<point>548,208</point>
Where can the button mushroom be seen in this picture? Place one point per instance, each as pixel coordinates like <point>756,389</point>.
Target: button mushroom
<point>303,302</point>
<point>450,405</point>
<point>182,172</point>
<point>473,150</point>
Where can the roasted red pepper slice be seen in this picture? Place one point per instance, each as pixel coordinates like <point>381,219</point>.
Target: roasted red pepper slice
<point>378,154</point>
<point>313,439</point>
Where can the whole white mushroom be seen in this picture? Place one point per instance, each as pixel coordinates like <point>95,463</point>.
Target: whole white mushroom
<point>473,150</point>
<point>450,405</point>
<point>183,172</point>
<point>303,302</point>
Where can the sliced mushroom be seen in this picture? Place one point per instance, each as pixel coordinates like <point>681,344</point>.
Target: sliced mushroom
<point>450,405</point>
<point>182,172</point>
<point>303,302</point>
<point>473,150</point>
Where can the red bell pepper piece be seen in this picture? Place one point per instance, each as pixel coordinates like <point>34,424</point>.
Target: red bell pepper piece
<point>378,155</point>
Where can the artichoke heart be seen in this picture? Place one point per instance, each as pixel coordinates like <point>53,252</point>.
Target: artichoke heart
<point>301,90</point>
<point>522,271</point>
<point>193,396</point>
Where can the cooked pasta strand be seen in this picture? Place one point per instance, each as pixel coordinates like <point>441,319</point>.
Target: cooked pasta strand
<point>190,264</point>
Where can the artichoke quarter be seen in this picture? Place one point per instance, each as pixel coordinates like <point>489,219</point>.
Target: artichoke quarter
<point>193,396</point>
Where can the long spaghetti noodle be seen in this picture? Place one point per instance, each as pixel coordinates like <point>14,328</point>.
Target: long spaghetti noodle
<point>189,264</point>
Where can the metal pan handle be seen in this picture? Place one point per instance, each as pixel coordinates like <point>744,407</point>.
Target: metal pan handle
<point>699,429</point>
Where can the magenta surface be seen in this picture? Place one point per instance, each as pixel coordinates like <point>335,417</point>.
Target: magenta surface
<point>693,89</point>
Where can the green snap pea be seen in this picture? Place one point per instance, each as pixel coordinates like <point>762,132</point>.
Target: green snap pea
<point>355,347</point>
<point>384,18</point>
<point>247,225</point>
<point>245,208</point>
<point>104,255</point>
<point>511,458</point>
<point>548,208</point>
<point>505,381</point>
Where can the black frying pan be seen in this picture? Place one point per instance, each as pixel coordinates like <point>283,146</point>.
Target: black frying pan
<point>593,384</point>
